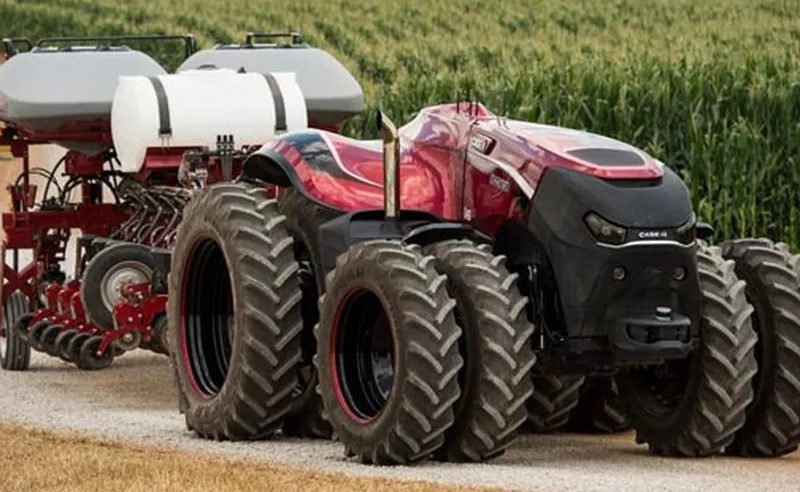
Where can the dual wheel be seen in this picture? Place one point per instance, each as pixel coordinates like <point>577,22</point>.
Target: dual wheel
<point>402,372</point>
<point>424,352</point>
<point>418,353</point>
<point>746,367</point>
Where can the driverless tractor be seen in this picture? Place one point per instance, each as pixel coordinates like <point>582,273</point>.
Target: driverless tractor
<point>425,295</point>
<point>421,295</point>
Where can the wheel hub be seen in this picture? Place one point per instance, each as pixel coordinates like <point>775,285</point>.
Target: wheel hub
<point>364,348</point>
<point>118,276</point>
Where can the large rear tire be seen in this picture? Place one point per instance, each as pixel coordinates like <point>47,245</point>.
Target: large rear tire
<point>599,409</point>
<point>694,406</point>
<point>234,314</point>
<point>15,353</point>
<point>388,359</point>
<point>496,348</point>
<point>773,288</point>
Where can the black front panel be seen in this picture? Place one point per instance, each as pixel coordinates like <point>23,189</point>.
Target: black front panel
<point>657,272</point>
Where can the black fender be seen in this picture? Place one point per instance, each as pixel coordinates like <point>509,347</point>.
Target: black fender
<point>412,227</point>
<point>268,166</point>
<point>444,231</point>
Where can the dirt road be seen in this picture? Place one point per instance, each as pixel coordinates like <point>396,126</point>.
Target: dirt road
<point>133,400</point>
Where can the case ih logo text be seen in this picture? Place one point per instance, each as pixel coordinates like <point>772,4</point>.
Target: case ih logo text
<point>653,235</point>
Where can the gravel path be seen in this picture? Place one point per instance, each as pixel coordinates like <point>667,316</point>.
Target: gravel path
<point>134,400</point>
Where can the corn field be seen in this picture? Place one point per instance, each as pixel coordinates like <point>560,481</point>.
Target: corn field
<point>710,88</point>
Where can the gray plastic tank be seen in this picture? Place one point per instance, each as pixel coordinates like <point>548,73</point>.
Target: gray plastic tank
<point>332,94</point>
<point>46,89</point>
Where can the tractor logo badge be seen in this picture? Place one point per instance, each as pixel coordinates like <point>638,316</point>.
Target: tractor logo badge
<point>653,234</point>
<point>481,143</point>
<point>499,183</point>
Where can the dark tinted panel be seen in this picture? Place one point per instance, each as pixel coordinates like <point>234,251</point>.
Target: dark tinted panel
<point>609,157</point>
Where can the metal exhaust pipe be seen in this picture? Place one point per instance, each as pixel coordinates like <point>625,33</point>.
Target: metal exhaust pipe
<point>391,166</point>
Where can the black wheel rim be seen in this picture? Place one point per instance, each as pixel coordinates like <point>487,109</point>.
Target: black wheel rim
<point>662,390</point>
<point>207,317</point>
<point>363,351</point>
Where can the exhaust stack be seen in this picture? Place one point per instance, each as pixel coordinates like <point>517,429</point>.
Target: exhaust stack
<point>391,166</point>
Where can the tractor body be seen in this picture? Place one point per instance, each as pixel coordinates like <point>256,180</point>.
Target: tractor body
<point>610,228</point>
<point>423,294</point>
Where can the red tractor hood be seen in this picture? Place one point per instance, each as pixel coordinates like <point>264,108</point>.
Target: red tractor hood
<point>532,148</point>
<point>448,152</point>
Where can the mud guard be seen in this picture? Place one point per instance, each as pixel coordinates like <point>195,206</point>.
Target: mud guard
<point>268,166</point>
<point>411,227</point>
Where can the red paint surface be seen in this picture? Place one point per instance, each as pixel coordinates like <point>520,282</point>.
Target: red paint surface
<point>443,174</point>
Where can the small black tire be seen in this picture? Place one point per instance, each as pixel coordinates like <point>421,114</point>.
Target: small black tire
<point>773,288</point>
<point>89,360</point>
<point>35,335</point>
<point>496,348</point>
<point>234,314</point>
<point>62,343</point>
<point>599,409</point>
<point>22,325</point>
<point>694,406</point>
<point>159,343</point>
<point>554,397</point>
<point>15,354</point>
<point>389,396</point>
<point>48,339</point>
<point>73,350</point>
<point>98,277</point>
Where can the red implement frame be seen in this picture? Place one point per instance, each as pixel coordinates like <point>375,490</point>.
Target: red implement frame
<point>45,232</point>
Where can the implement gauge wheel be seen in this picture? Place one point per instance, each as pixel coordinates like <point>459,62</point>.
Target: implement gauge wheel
<point>106,273</point>
<point>234,314</point>
<point>15,353</point>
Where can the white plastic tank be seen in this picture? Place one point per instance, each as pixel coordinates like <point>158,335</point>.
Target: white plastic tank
<point>202,104</point>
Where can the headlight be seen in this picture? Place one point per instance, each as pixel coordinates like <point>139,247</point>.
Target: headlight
<point>605,231</point>
<point>687,233</point>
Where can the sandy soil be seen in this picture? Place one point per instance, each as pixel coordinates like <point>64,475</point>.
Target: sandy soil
<point>76,463</point>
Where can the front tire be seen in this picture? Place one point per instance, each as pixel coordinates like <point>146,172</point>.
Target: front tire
<point>694,406</point>
<point>599,409</point>
<point>554,397</point>
<point>15,353</point>
<point>234,314</point>
<point>388,359</point>
<point>773,288</point>
<point>496,348</point>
